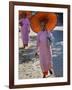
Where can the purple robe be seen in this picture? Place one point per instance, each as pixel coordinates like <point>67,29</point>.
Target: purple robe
<point>25,29</point>
<point>44,50</point>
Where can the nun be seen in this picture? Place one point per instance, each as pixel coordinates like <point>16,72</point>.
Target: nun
<point>44,40</point>
<point>25,29</point>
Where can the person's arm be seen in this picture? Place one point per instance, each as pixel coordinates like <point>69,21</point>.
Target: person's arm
<point>50,38</point>
<point>28,23</point>
<point>29,27</point>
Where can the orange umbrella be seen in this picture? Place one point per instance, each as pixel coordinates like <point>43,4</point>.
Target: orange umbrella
<point>39,17</point>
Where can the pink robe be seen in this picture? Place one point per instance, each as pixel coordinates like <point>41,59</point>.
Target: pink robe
<point>44,50</point>
<point>25,29</point>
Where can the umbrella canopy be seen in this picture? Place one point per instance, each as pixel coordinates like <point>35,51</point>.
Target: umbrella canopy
<point>50,18</point>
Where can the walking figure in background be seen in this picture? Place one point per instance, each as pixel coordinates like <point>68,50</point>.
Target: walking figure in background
<point>45,52</point>
<point>25,29</point>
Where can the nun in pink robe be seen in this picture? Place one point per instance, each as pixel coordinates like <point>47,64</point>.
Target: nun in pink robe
<point>25,29</point>
<point>45,53</point>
